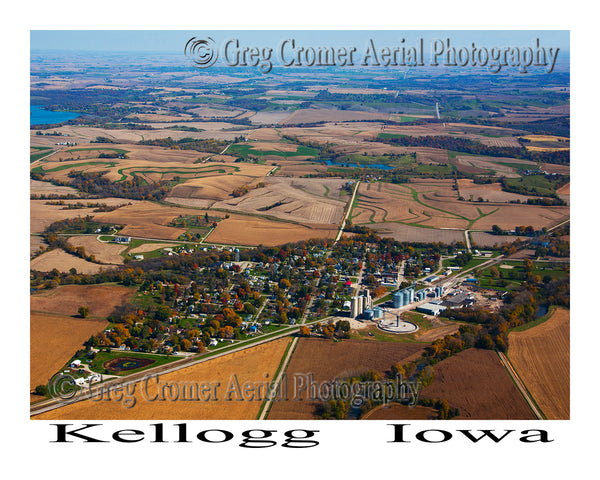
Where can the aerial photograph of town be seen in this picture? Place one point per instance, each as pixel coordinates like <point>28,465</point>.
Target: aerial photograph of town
<point>300,225</point>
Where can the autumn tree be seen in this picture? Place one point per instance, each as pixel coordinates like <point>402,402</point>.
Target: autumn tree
<point>304,331</point>
<point>83,311</point>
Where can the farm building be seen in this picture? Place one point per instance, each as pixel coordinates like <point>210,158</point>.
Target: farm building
<point>432,278</point>
<point>122,239</point>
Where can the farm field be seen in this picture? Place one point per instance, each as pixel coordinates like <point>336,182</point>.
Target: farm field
<point>483,239</point>
<point>475,382</point>
<point>44,188</point>
<point>63,262</point>
<point>215,188</point>
<point>42,215</point>
<point>327,115</point>
<point>256,364</point>
<point>104,252</point>
<point>492,192</point>
<point>56,330</point>
<point>328,360</point>
<point>409,233</point>
<point>541,357</point>
<point>35,242</point>
<point>54,339</point>
<point>297,200</point>
<point>147,219</point>
<point>66,299</point>
<point>245,230</point>
<point>436,206</point>
<point>150,247</point>
<point>118,170</point>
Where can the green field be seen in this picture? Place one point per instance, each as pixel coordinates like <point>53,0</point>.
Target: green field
<point>513,276</point>
<point>96,365</point>
<point>99,149</point>
<point>535,184</point>
<point>42,152</point>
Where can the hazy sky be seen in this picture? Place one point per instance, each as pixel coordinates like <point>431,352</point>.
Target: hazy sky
<point>174,41</point>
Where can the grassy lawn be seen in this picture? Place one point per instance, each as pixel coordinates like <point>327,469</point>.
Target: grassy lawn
<point>96,364</point>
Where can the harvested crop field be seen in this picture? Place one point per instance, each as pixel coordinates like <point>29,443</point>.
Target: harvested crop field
<point>66,299</point>
<point>147,219</point>
<point>42,215</point>
<point>64,262</point>
<point>541,357</point>
<point>46,188</point>
<point>242,230</point>
<point>489,192</point>
<point>104,252</point>
<point>327,360</point>
<point>499,167</point>
<point>150,247</point>
<point>310,115</point>
<point>35,242</point>
<point>293,169</point>
<point>254,365</point>
<point>409,233</point>
<point>298,200</point>
<point>483,239</point>
<point>54,340</point>
<point>397,411</point>
<point>216,187</point>
<point>475,382</point>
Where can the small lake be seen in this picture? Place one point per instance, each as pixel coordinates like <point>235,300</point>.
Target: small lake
<point>40,116</point>
<point>541,311</point>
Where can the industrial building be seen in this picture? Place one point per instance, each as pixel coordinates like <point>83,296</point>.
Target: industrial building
<point>360,303</point>
<point>403,297</point>
<point>431,309</point>
<point>460,299</point>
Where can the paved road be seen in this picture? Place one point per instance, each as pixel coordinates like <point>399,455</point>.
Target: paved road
<point>34,164</point>
<point>277,381</point>
<point>339,235</point>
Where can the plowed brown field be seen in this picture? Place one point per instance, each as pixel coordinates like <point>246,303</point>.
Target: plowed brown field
<point>242,230</point>
<point>477,384</point>
<point>540,356</point>
<point>327,360</point>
